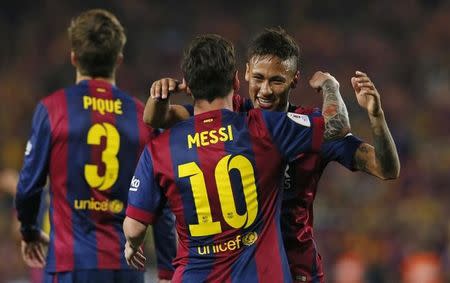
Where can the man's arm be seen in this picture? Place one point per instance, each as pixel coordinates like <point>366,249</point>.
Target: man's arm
<point>158,112</point>
<point>32,179</point>
<point>334,111</point>
<point>380,160</point>
<point>134,233</point>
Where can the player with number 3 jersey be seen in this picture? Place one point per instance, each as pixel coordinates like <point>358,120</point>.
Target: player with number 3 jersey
<point>87,138</point>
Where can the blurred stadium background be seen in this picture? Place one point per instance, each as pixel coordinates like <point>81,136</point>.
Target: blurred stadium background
<point>394,231</point>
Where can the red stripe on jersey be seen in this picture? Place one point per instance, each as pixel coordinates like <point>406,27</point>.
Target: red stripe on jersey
<point>108,240</point>
<point>208,157</point>
<point>140,215</point>
<point>62,213</point>
<point>165,274</point>
<point>317,135</point>
<point>163,162</point>
<point>145,132</point>
<point>267,159</point>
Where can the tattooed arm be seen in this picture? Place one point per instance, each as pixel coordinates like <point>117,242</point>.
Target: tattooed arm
<point>334,111</point>
<point>380,160</point>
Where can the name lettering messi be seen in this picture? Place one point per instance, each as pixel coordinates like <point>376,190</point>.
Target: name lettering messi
<point>206,138</point>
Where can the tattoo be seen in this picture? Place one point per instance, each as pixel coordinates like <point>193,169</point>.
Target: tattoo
<point>362,156</point>
<point>385,150</point>
<point>334,111</point>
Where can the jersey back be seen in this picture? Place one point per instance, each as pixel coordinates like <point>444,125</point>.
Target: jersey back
<point>90,137</point>
<point>220,171</point>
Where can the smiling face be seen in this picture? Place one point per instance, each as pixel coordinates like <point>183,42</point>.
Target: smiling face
<point>270,81</point>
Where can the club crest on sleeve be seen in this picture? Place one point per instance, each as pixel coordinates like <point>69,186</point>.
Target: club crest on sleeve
<point>300,119</point>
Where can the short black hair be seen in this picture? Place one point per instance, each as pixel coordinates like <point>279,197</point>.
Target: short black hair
<point>97,38</point>
<point>274,41</point>
<point>209,66</point>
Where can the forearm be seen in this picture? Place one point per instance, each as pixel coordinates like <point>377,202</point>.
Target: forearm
<point>334,111</point>
<point>134,232</point>
<point>156,112</point>
<point>386,155</point>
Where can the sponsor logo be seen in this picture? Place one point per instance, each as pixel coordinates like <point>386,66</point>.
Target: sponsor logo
<point>246,240</point>
<point>114,206</point>
<point>28,148</point>
<point>300,119</point>
<point>135,183</point>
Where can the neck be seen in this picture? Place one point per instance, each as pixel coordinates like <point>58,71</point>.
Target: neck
<point>80,77</point>
<point>202,105</point>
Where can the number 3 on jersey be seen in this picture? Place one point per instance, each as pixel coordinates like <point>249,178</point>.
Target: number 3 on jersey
<point>206,226</point>
<point>109,156</point>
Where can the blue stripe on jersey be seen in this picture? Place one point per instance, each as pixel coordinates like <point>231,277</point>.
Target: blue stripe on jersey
<point>127,155</point>
<point>79,154</point>
<point>181,155</point>
<point>241,141</point>
<point>282,252</point>
<point>51,247</point>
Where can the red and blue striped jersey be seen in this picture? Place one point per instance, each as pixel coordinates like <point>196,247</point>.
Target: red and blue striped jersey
<point>87,138</point>
<point>300,184</point>
<point>220,172</point>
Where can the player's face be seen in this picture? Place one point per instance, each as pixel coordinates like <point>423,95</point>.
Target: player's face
<point>270,81</point>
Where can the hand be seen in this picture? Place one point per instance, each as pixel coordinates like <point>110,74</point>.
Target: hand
<point>33,252</point>
<point>161,89</point>
<point>366,93</point>
<point>319,79</point>
<point>134,256</point>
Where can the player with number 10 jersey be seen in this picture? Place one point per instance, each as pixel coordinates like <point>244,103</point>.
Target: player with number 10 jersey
<point>220,171</point>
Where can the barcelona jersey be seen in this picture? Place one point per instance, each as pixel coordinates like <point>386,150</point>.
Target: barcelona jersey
<point>220,173</point>
<point>300,183</point>
<point>87,138</point>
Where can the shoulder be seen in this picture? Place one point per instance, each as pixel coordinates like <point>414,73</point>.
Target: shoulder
<point>54,99</point>
<point>305,110</point>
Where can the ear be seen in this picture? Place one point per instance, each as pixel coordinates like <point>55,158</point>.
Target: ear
<point>295,79</point>
<point>119,59</point>
<point>73,59</point>
<point>247,72</point>
<point>236,83</point>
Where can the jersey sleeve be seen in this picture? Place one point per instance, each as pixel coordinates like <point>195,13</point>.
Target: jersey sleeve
<point>189,108</point>
<point>34,172</point>
<point>165,243</point>
<point>294,133</point>
<point>145,197</point>
<point>341,150</point>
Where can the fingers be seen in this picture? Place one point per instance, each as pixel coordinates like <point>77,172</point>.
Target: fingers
<point>161,89</point>
<point>137,260</point>
<point>33,254</point>
<point>368,91</point>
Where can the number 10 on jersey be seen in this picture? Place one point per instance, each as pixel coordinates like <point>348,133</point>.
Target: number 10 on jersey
<point>206,225</point>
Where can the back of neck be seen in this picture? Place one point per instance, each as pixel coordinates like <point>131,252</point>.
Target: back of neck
<point>80,77</point>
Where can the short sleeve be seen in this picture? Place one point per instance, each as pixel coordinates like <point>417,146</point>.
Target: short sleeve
<point>145,197</point>
<point>294,133</point>
<point>341,150</point>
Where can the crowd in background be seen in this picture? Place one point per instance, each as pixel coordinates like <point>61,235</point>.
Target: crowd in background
<point>378,231</point>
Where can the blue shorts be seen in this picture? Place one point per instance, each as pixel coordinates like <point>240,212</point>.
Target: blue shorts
<point>95,276</point>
